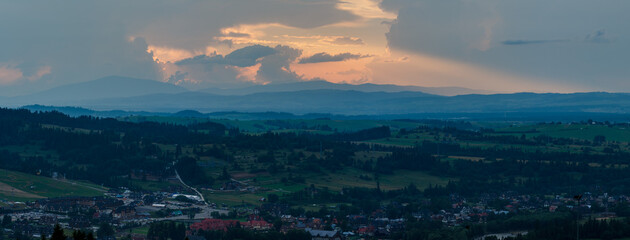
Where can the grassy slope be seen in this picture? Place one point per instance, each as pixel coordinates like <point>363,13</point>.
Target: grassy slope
<point>39,187</point>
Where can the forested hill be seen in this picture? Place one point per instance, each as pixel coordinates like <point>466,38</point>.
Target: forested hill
<point>96,149</point>
<point>108,151</point>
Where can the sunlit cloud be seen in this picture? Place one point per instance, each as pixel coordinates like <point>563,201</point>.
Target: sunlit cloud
<point>41,71</point>
<point>165,54</point>
<point>325,57</point>
<point>9,74</point>
<point>366,9</point>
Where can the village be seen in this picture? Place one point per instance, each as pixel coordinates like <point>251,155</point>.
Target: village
<point>125,210</point>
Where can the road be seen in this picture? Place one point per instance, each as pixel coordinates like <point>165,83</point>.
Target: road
<point>194,189</point>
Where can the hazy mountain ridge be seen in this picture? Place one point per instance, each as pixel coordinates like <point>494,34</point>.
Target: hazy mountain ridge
<point>325,85</point>
<point>137,96</point>
<point>378,103</point>
<point>107,87</point>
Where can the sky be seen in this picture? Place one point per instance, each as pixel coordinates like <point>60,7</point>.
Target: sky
<point>496,45</point>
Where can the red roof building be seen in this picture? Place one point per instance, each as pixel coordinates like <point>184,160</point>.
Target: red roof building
<point>213,225</point>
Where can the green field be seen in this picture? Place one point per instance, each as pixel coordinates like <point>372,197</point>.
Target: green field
<point>259,126</point>
<point>349,178</point>
<point>233,198</point>
<point>577,131</point>
<point>16,186</point>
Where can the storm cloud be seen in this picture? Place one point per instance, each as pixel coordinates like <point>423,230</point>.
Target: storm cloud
<point>485,34</point>
<point>273,65</point>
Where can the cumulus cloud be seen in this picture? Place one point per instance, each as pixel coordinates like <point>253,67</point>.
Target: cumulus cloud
<point>256,63</point>
<point>276,68</point>
<point>325,57</point>
<point>71,41</point>
<point>178,78</point>
<point>243,57</point>
<point>247,56</point>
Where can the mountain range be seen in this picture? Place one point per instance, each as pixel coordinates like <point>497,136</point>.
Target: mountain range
<point>138,95</point>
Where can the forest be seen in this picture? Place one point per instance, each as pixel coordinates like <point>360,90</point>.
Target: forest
<point>475,163</point>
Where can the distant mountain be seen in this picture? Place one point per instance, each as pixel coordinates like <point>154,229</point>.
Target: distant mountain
<point>118,96</point>
<point>79,111</point>
<point>107,87</point>
<point>324,85</point>
<point>371,103</point>
<point>300,102</point>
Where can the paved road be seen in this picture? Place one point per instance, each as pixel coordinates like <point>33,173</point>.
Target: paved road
<point>194,189</point>
<point>206,210</point>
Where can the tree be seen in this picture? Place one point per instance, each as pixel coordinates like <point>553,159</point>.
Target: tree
<point>277,224</point>
<point>90,236</point>
<point>79,235</point>
<point>298,235</point>
<point>105,230</point>
<point>225,175</point>
<point>6,221</point>
<point>599,139</point>
<point>58,233</point>
<point>273,198</point>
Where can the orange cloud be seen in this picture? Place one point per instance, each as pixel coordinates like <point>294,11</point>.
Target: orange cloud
<point>351,71</point>
<point>45,70</point>
<point>366,9</point>
<point>9,74</point>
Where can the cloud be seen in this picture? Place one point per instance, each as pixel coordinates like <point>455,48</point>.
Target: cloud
<point>443,28</point>
<point>478,33</point>
<point>527,42</point>
<point>58,44</point>
<point>347,41</point>
<point>178,78</point>
<point>366,8</point>
<point>276,68</point>
<point>325,57</point>
<point>247,56</point>
<point>243,57</point>
<point>200,21</point>
<point>84,40</point>
<point>237,35</point>
<point>350,72</point>
<point>599,36</point>
<point>9,74</point>
<point>252,64</point>
<point>41,71</point>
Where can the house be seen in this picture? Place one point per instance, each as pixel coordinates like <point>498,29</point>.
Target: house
<point>257,225</point>
<point>125,212</point>
<point>324,235</point>
<point>79,222</point>
<point>210,224</point>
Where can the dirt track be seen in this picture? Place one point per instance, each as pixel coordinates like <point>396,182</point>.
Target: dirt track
<point>7,190</point>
